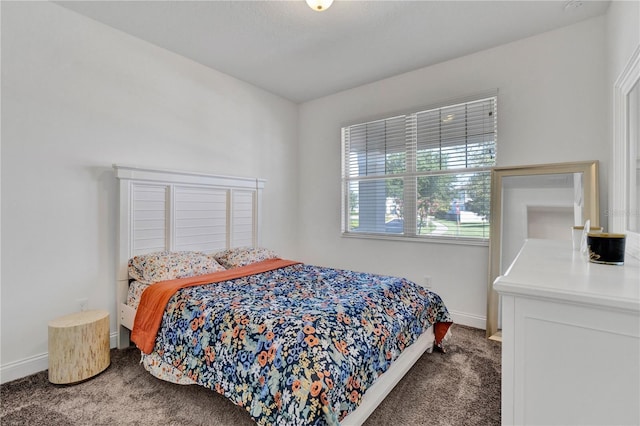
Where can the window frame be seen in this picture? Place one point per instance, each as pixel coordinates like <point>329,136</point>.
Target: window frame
<point>410,203</point>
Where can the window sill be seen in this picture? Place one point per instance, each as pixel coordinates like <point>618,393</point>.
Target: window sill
<point>483,242</point>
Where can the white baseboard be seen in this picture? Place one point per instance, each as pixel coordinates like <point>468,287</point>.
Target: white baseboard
<point>469,320</point>
<point>24,367</point>
<point>34,364</point>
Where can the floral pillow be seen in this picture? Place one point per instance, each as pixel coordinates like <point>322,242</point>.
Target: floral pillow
<point>168,265</point>
<point>236,257</point>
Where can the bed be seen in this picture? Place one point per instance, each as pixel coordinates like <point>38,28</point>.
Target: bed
<point>291,343</point>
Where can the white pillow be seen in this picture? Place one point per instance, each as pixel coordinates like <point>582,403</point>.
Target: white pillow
<point>236,257</point>
<point>167,265</point>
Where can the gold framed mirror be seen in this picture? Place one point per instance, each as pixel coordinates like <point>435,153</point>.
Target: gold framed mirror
<point>538,201</point>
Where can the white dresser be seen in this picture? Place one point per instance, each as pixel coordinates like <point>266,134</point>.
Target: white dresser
<point>570,338</point>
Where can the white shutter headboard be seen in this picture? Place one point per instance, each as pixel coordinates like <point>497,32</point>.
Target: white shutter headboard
<point>174,210</point>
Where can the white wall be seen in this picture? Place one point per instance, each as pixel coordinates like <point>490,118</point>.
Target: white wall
<point>552,107</point>
<point>78,96</point>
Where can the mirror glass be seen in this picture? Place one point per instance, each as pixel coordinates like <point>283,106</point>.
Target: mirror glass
<point>543,201</point>
<point>538,206</point>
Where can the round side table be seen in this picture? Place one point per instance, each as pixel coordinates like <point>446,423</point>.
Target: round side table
<point>78,346</point>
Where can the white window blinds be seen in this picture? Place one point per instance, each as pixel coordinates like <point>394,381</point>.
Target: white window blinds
<point>423,174</point>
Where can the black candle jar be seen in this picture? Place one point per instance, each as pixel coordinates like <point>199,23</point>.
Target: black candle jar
<point>606,248</point>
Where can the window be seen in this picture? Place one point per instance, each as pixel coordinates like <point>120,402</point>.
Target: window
<point>425,174</point>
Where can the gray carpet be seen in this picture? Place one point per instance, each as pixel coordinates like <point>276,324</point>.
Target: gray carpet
<point>460,387</point>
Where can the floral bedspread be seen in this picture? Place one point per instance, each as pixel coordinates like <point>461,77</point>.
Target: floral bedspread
<point>296,345</point>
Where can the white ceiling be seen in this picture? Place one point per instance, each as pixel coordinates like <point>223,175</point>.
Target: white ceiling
<point>288,49</point>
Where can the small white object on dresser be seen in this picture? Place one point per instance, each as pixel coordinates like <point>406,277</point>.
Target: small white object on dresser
<point>570,338</point>
<point>78,346</point>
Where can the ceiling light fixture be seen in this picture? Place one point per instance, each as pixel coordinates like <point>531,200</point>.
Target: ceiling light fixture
<point>319,5</point>
<point>573,4</point>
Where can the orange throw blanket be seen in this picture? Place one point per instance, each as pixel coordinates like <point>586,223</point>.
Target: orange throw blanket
<point>440,330</point>
<point>155,298</point>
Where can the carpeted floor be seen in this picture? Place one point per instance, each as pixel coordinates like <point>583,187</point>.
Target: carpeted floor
<point>460,387</point>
